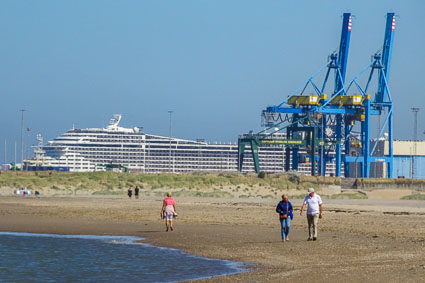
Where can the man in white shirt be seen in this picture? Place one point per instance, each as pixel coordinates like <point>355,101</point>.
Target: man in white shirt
<point>314,212</point>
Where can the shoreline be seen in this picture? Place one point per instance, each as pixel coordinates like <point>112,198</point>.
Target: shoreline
<point>233,267</point>
<point>355,244</point>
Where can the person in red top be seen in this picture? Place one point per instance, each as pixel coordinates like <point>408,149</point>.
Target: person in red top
<point>168,211</point>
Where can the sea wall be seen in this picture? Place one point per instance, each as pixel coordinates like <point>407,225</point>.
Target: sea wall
<point>373,184</point>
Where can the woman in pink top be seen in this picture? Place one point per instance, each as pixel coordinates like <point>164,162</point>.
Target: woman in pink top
<point>168,211</point>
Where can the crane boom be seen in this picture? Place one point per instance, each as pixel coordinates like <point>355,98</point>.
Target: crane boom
<point>343,52</point>
<point>386,58</point>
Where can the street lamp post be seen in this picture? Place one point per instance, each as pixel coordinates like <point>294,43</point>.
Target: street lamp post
<point>22,136</point>
<point>170,112</point>
<point>415,111</point>
<point>5,151</point>
<point>27,150</point>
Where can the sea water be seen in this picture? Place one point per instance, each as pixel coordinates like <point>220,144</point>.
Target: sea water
<point>28,257</point>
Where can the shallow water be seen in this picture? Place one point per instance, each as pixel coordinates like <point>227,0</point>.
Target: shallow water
<point>86,258</point>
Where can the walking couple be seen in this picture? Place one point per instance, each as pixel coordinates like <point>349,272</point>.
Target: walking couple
<point>313,202</point>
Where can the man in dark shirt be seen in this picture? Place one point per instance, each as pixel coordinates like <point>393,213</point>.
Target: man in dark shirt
<point>130,192</point>
<point>136,192</point>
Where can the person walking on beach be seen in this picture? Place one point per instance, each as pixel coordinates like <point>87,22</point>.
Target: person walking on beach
<point>136,192</point>
<point>130,192</point>
<point>314,212</point>
<point>168,211</point>
<point>284,208</point>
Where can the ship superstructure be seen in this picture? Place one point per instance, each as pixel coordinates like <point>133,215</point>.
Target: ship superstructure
<point>97,149</point>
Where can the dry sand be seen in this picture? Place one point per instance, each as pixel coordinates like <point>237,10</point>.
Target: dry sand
<point>371,240</point>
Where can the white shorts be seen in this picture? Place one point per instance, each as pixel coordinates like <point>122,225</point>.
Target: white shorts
<point>169,217</point>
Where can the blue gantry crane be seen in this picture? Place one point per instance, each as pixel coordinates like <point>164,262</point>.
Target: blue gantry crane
<point>315,122</point>
<point>298,107</point>
<point>382,105</point>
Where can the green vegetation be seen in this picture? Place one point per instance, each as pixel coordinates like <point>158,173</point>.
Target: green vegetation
<point>243,196</point>
<point>414,197</point>
<point>215,194</point>
<point>107,192</point>
<point>301,196</point>
<point>109,180</point>
<point>268,196</point>
<point>390,181</point>
<point>54,187</point>
<point>348,196</point>
<point>193,184</point>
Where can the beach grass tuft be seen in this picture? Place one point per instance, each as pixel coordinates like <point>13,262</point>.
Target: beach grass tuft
<point>414,197</point>
<point>348,196</point>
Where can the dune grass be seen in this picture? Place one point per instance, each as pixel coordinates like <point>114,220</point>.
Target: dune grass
<point>391,181</point>
<point>348,196</point>
<point>108,192</point>
<point>300,196</point>
<point>107,181</point>
<point>191,184</point>
<point>414,197</point>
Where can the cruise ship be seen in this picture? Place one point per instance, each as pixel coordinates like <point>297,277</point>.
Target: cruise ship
<point>130,149</point>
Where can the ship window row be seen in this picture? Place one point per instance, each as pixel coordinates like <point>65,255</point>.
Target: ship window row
<point>115,140</point>
<point>109,135</point>
<point>111,149</point>
<point>149,164</point>
<point>193,167</point>
<point>187,158</point>
<point>94,146</point>
<point>191,152</point>
<point>118,152</point>
<point>185,147</point>
<point>164,159</point>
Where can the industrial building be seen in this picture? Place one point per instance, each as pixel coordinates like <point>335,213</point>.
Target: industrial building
<point>409,160</point>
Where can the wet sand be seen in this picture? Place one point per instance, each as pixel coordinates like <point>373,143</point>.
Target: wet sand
<point>358,241</point>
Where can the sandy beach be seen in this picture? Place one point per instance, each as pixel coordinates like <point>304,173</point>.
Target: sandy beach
<point>374,240</point>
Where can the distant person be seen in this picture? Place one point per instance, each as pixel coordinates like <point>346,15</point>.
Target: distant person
<point>314,212</point>
<point>168,211</point>
<point>284,208</point>
<point>130,192</point>
<point>136,192</point>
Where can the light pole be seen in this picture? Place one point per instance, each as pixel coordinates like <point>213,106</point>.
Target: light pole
<point>22,136</point>
<point>170,132</point>
<point>415,111</point>
<point>170,112</point>
<point>27,150</point>
<point>14,167</point>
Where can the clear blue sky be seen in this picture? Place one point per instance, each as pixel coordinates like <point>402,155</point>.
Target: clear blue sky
<point>215,63</point>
